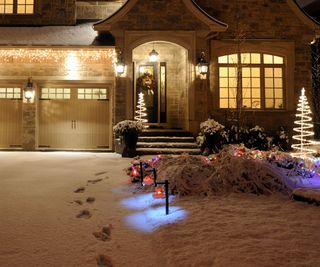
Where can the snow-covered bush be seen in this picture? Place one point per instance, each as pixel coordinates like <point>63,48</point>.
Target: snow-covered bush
<point>280,141</point>
<point>212,136</point>
<point>128,127</point>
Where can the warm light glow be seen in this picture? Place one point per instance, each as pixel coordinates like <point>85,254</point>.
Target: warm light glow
<point>141,110</point>
<point>148,180</point>
<point>304,128</point>
<point>159,192</point>
<point>153,56</point>
<point>134,172</point>
<point>120,68</point>
<point>28,94</point>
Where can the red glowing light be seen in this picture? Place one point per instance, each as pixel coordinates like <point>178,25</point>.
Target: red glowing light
<point>159,192</point>
<point>134,172</point>
<point>148,180</point>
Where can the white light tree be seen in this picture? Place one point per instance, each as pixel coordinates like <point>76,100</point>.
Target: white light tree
<point>304,128</point>
<point>141,114</point>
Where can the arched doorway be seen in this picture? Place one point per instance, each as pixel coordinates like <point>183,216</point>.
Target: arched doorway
<point>164,83</point>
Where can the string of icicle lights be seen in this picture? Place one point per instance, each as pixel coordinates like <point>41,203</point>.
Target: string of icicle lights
<point>304,128</point>
<point>57,55</point>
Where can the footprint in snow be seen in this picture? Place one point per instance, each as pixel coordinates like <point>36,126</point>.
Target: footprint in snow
<point>104,261</point>
<point>78,202</point>
<point>94,181</point>
<point>84,214</point>
<point>90,200</point>
<point>104,234</point>
<point>79,190</point>
<point>99,173</point>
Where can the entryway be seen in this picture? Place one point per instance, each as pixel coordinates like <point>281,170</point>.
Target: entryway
<point>74,118</point>
<point>163,83</point>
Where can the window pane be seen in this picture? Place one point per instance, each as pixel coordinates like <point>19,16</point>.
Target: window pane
<point>267,59</point>
<point>232,82</point>
<point>246,93</point>
<point>255,82</point>
<point>29,10</point>
<point>8,9</point>
<point>268,82</point>
<point>233,92</point>
<point>269,93</point>
<point>224,92</point>
<point>269,103</point>
<point>246,82</point>
<point>223,59</point>
<point>255,72</point>
<point>255,58</point>
<point>245,58</point>
<point>223,72</point>
<point>278,82</point>
<point>246,103</point>
<point>246,72</point>
<point>232,72</point>
<point>278,60</point>
<point>256,103</point>
<point>1,9</point>
<point>256,93</point>
<point>232,103</point>
<point>21,10</point>
<point>233,59</point>
<point>268,72</point>
<point>223,82</point>
<point>224,103</point>
<point>278,93</point>
<point>279,103</point>
<point>278,72</point>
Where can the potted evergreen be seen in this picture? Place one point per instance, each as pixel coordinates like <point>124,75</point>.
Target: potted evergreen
<point>128,131</point>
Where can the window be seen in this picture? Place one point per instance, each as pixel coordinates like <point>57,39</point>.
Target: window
<point>10,93</point>
<point>92,93</point>
<point>17,7</point>
<point>260,78</point>
<point>55,93</point>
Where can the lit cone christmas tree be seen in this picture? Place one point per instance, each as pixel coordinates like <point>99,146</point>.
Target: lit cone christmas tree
<point>304,129</point>
<point>141,114</point>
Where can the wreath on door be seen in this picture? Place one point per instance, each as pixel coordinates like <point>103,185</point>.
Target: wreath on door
<point>146,84</point>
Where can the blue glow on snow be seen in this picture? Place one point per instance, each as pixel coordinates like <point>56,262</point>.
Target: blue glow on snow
<point>143,201</point>
<point>150,219</point>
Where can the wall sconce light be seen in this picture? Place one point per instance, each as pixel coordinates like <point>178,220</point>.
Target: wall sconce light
<point>120,67</point>
<point>203,65</point>
<point>29,90</point>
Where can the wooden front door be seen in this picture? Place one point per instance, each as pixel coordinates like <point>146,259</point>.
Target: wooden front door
<point>74,118</point>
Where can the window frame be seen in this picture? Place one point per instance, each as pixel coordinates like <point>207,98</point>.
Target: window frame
<point>285,49</point>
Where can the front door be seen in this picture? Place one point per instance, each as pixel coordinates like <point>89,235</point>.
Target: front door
<point>151,81</point>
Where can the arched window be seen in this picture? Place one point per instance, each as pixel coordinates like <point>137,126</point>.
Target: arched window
<point>251,80</point>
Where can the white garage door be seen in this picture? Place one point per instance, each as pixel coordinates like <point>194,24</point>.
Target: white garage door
<point>10,117</point>
<point>74,118</point>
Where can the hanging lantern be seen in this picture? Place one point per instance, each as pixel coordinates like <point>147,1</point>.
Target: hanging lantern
<point>203,65</point>
<point>159,192</point>
<point>120,66</point>
<point>153,55</point>
<point>29,90</point>
<point>148,180</point>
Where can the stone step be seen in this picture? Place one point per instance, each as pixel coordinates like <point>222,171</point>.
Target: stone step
<point>166,145</point>
<point>175,139</point>
<point>164,132</point>
<point>157,151</point>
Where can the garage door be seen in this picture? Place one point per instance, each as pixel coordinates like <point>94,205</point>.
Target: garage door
<point>74,118</point>
<point>10,117</point>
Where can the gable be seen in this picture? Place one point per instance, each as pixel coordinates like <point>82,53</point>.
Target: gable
<point>161,15</point>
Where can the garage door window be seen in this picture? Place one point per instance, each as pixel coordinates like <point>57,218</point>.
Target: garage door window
<point>55,93</point>
<point>92,93</point>
<point>10,93</point>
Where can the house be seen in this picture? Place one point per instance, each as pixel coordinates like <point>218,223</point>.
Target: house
<point>59,88</point>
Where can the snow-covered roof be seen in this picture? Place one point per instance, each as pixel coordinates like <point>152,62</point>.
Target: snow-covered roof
<point>79,35</point>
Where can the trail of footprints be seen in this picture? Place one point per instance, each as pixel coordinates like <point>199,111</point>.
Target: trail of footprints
<point>105,233</point>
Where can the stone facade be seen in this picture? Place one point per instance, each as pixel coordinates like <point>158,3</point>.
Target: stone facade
<point>93,10</point>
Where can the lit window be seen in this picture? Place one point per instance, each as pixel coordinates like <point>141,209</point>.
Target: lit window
<point>55,93</point>
<point>20,7</point>
<point>10,93</point>
<point>92,93</point>
<point>259,81</point>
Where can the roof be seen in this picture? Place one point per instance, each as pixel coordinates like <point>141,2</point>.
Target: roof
<point>79,35</point>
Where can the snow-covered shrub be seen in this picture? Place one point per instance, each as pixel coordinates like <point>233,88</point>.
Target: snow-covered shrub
<point>212,136</point>
<point>128,127</point>
<point>280,141</point>
<point>257,138</point>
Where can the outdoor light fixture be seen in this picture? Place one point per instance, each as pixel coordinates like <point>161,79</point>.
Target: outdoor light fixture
<point>29,90</point>
<point>153,55</point>
<point>202,65</point>
<point>120,67</point>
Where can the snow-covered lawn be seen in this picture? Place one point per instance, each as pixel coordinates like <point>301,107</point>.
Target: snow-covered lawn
<point>44,224</point>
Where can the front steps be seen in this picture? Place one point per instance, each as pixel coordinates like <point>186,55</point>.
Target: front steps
<point>166,141</point>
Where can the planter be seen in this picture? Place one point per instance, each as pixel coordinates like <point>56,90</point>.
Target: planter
<point>130,144</point>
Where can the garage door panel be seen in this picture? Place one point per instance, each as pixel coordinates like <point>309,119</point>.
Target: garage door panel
<point>74,123</point>
<point>10,123</point>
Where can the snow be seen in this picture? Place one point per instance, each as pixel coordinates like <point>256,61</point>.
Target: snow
<point>39,224</point>
<point>82,34</point>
